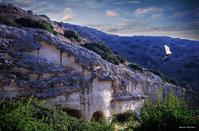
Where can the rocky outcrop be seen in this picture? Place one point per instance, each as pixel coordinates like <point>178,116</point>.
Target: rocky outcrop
<point>35,62</point>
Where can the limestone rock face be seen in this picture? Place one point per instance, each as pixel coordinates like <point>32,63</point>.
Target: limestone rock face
<point>34,62</point>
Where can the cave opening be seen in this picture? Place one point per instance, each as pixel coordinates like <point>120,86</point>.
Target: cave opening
<point>123,117</point>
<point>97,116</point>
<point>73,112</point>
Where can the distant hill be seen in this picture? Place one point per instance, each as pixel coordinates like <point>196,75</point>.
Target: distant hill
<point>148,51</point>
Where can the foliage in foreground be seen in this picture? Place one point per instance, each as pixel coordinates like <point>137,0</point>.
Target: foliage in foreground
<point>126,121</point>
<point>171,114</point>
<point>101,49</point>
<point>30,115</point>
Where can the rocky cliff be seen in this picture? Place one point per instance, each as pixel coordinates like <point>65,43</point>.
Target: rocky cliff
<point>44,64</point>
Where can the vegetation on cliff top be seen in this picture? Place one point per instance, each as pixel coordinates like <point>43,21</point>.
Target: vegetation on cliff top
<point>101,49</point>
<point>6,21</point>
<point>72,34</point>
<point>164,77</point>
<point>29,22</point>
<point>136,67</point>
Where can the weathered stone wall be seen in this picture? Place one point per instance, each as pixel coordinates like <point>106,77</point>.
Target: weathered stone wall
<point>49,52</point>
<point>96,98</point>
<point>54,55</point>
<point>126,106</point>
<point>88,101</point>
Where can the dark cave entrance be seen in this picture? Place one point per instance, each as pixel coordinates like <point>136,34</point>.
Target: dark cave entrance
<point>123,117</point>
<point>73,112</point>
<point>97,116</point>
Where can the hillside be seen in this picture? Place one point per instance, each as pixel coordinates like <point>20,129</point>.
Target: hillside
<point>148,52</point>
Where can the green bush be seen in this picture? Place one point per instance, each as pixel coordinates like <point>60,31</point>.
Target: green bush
<point>164,77</point>
<point>124,117</point>
<point>32,23</point>
<point>72,34</point>
<point>168,115</point>
<point>125,121</point>
<point>105,52</point>
<point>30,115</point>
<point>136,67</point>
<point>121,59</point>
<point>6,21</point>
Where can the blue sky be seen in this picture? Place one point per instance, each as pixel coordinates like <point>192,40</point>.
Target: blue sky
<point>175,18</point>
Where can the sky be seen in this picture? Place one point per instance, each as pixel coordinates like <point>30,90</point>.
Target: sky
<point>175,18</point>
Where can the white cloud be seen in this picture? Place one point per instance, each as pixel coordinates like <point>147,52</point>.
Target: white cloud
<point>126,25</point>
<point>67,17</point>
<point>134,27</point>
<point>67,14</point>
<point>142,11</point>
<point>102,27</point>
<point>111,13</point>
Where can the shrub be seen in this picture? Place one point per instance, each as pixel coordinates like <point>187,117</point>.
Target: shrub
<point>164,77</point>
<point>120,58</point>
<point>30,115</point>
<point>20,116</point>
<point>126,121</point>
<point>123,118</point>
<point>6,21</point>
<point>136,67</point>
<point>29,22</point>
<point>168,115</point>
<point>105,52</point>
<point>72,34</point>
